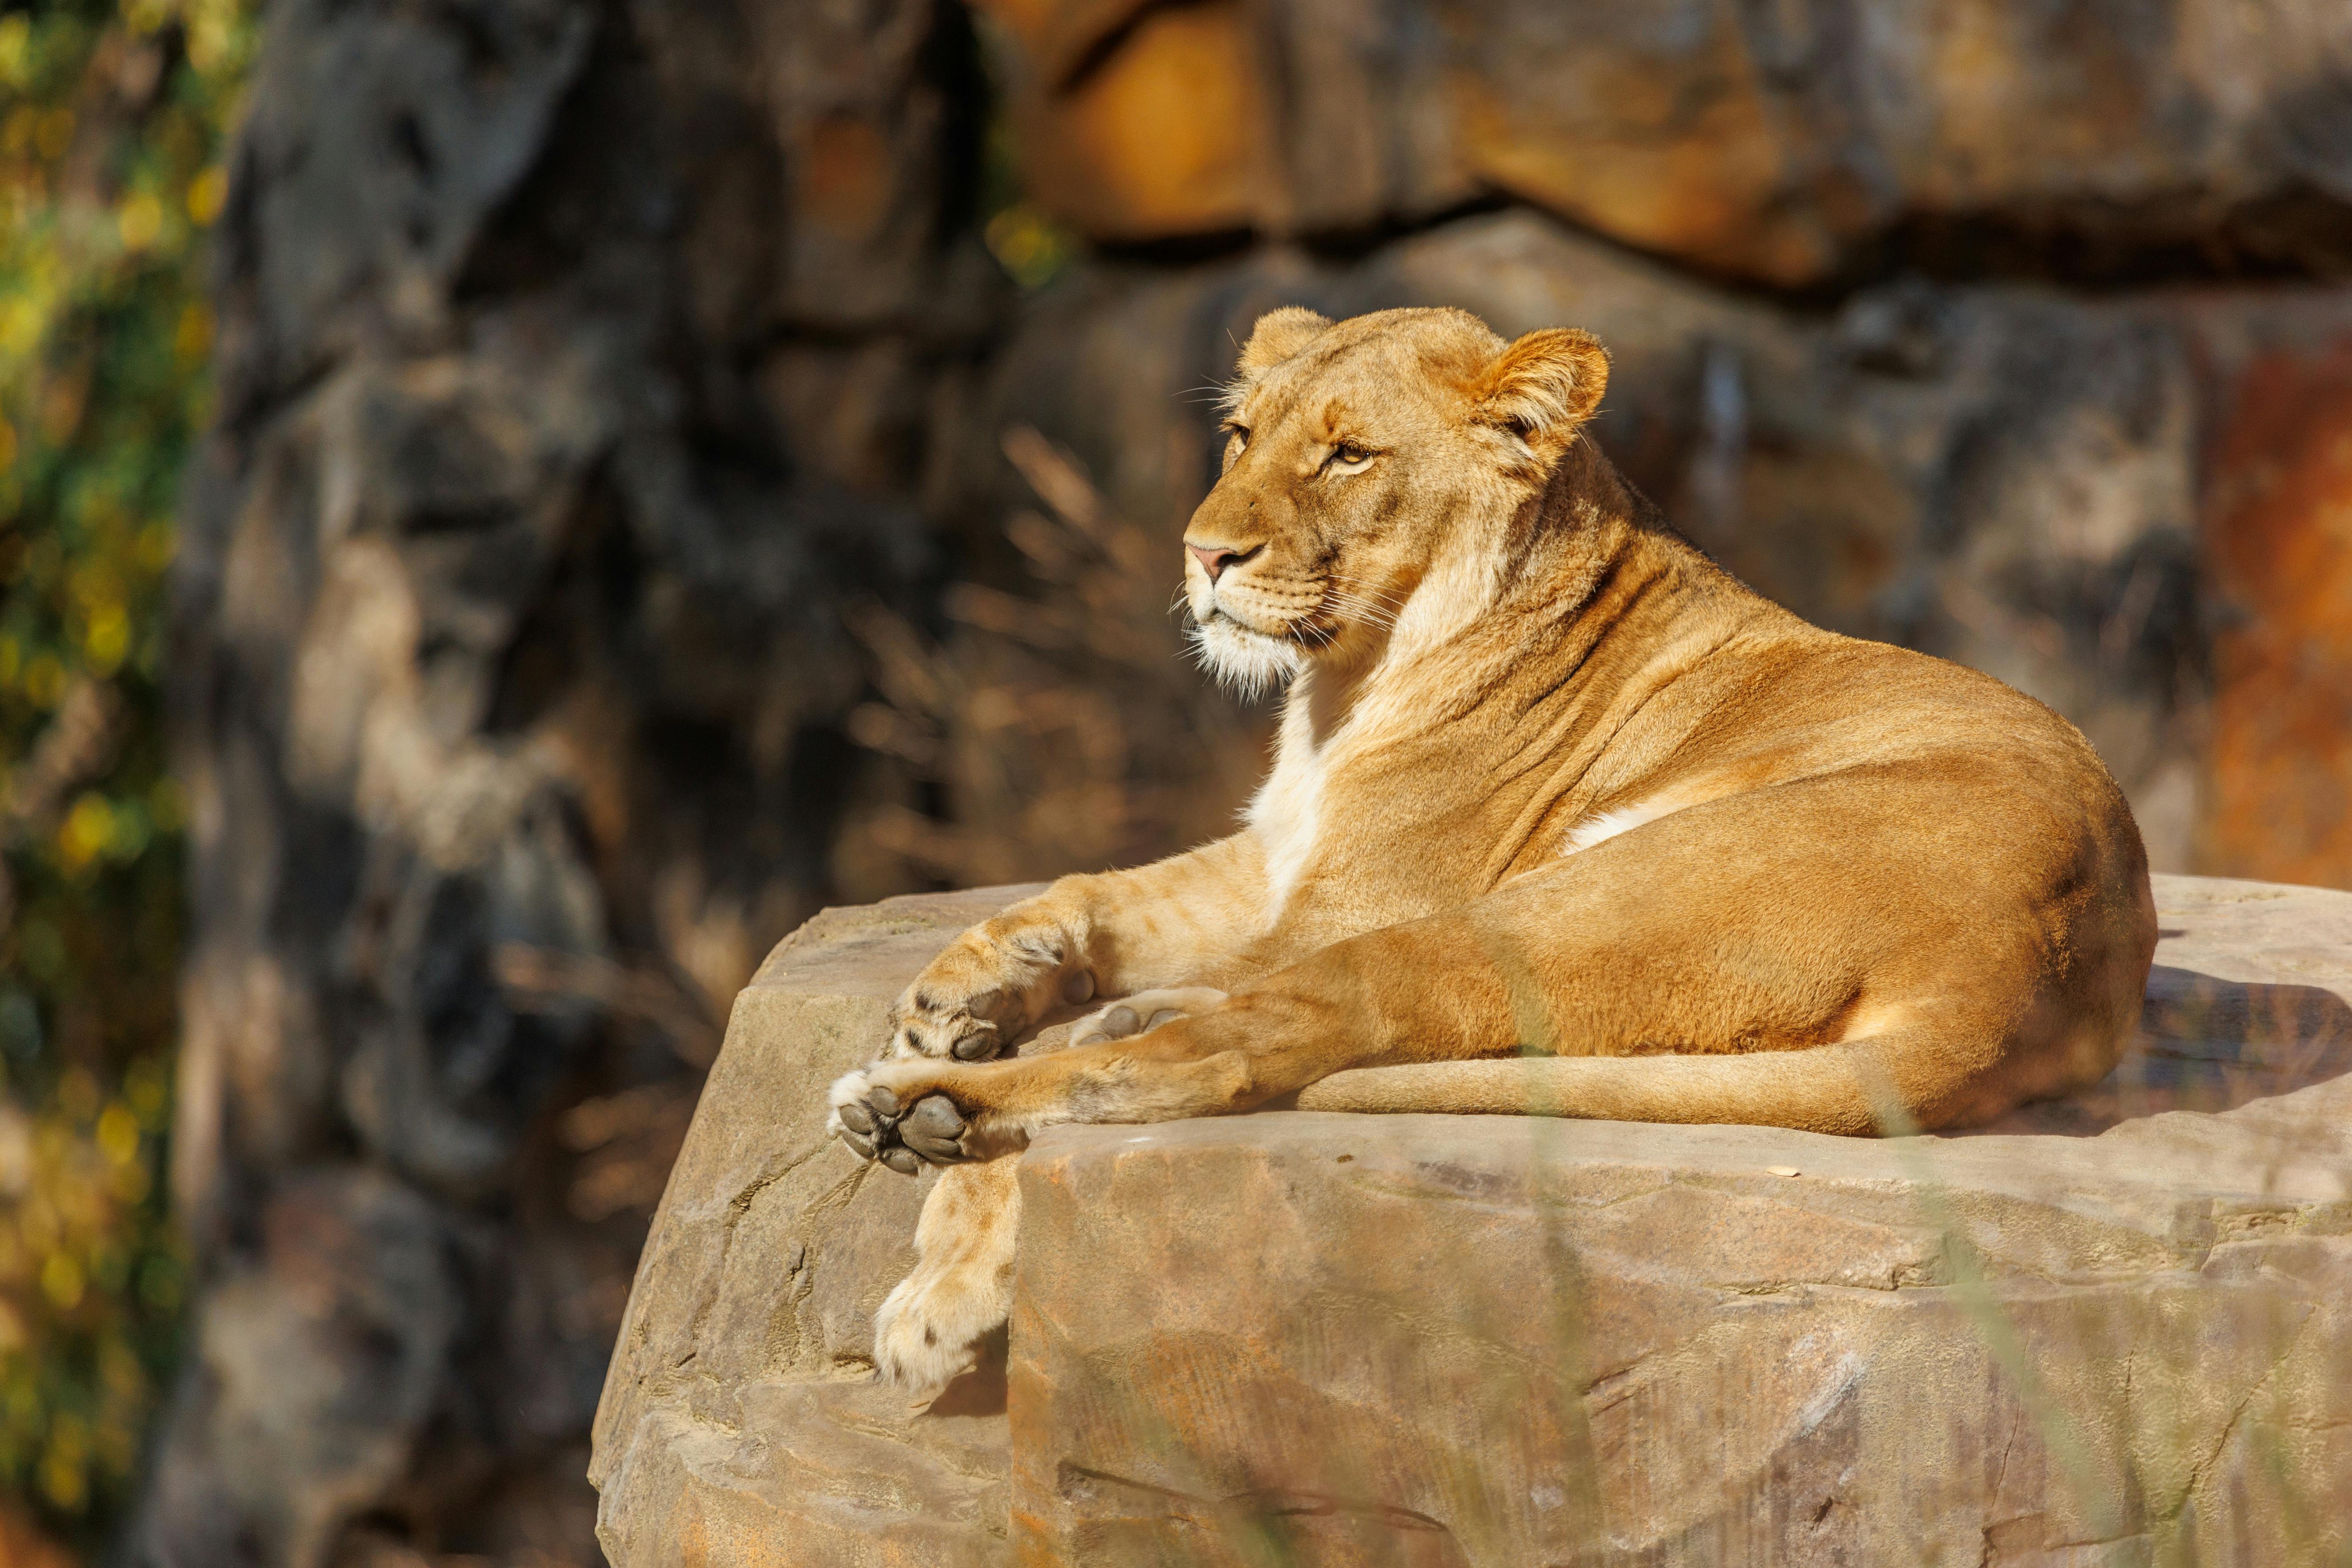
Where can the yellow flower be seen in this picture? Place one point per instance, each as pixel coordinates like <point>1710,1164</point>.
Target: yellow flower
<point>107,638</point>
<point>14,31</point>
<point>192,338</point>
<point>61,1467</point>
<point>156,540</point>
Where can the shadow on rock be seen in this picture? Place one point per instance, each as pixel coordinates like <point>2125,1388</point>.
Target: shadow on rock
<point>2206,1043</point>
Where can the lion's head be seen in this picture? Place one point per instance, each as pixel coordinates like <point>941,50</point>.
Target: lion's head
<point>1363,459</point>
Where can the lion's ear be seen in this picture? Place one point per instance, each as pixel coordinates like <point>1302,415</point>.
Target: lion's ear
<point>1279,335</point>
<point>1543,386</point>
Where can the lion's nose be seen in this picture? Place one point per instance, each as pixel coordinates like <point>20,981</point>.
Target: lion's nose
<point>1215,559</point>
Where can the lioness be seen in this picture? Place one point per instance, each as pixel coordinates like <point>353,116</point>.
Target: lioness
<point>1562,819</point>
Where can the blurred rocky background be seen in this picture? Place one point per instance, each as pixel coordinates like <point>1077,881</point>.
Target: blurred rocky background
<point>634,473</point>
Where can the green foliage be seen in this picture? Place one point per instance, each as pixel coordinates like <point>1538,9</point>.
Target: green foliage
<point>111,129</point>
<point>1029,242</point>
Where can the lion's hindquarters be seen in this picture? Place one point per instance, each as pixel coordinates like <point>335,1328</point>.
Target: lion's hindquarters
<point>1820,955</point>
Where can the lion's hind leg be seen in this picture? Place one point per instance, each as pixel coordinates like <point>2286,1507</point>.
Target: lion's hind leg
<point>929,1328</point>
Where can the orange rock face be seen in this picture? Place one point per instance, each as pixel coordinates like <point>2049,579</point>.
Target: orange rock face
<point>1141,122</point>
<point>2279,547</point>
<point>1676,147</point>
<point>1779,144</point>
<point>1164,137</point>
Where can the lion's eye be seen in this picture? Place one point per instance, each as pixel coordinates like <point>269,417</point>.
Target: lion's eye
<point>1236,438</point>
<point>1347,458</point>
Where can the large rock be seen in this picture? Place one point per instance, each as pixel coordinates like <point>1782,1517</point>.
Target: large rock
<point>1788,144</point>
<point>2111,1330</point>
<point>570,356</point>
<point>740,1416</point>
<point>2020,479</point>
<point>2278,554</point>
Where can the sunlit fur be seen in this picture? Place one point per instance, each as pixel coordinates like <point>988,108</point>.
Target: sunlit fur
<point>1356,516</point>
<point>1562,819</point>
<point>1247,662</point>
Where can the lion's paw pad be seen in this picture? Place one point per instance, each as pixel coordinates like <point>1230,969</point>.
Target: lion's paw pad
<point>871,1119</point>
<point>934,1129</point>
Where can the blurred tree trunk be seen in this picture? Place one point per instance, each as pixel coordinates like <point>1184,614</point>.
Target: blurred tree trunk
<point>580,362</point>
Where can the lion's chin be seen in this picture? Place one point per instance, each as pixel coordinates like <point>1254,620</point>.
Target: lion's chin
<point>1249,663</point>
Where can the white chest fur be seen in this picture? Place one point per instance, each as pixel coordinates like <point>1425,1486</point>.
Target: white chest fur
<point>1285,815</point>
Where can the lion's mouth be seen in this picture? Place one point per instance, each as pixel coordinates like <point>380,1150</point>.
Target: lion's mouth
<point>1221,616</point>
<point>1312,619</point>
<point>1247,659</point>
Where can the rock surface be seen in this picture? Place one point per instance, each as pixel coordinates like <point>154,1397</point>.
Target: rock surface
<point>560,346</point>
<point>740,1417</point>
<point>2112,1329</point>
<point>1783,145</point>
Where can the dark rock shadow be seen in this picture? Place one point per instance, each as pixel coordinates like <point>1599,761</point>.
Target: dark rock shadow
<point>2206,1044</point>
<point>981,1390</point>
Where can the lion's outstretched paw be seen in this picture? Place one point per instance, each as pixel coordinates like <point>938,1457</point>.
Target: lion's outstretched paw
<point>974,1007</point>
<point>876,1124</point>
<point>929,1329</point>
<point>974,1028</point>
<point>1146,1010</point>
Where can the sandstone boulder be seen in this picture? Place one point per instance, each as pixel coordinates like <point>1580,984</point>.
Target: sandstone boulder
<point>741,1423</point>
<point>2109,1330</point>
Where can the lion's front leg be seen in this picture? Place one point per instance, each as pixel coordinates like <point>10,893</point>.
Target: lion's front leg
<point>910,1112</point>
<point>1365,1002</point>
<point>995,982</point>
<point>931,1327</point>
<point>1175,922</point>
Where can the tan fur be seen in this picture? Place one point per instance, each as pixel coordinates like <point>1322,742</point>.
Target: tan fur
<point>1562,819</point>
<point>930,1326</point>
